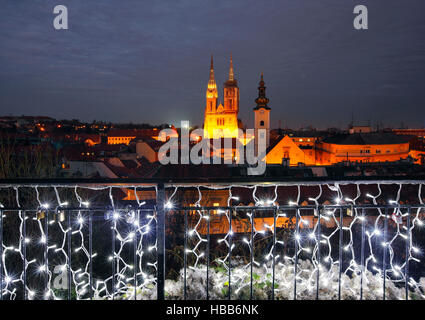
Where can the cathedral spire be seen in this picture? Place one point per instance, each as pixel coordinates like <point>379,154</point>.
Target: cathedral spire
<point>231,72</point>
<point>212,70</point>
<point>212,87</point>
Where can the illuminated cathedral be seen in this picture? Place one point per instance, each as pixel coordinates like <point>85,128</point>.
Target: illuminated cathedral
<point>222,118</point>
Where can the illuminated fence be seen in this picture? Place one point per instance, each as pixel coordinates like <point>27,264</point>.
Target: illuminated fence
<point>269,240</point>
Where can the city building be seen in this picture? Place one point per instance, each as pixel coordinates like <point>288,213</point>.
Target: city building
<point>222,118</point>
<point>362,147</point>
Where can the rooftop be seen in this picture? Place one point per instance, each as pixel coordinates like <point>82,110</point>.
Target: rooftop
<point>366,139</point>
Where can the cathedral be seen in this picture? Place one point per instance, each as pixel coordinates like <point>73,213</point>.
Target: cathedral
<point>221,120</point>
<point>219,117</point>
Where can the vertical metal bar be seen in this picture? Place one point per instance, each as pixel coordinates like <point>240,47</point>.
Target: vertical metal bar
<point>1,254</point>
<point>341,233</point>
<point>252,250</point>
<point>46,252</point>
<point>406,269</point>
<point>136,226</point>
<point>208,253</point>
<point>69,234</point>
<point>384,258</point>
<point>273,251</point>
<point>297,234</point>
<point>160,233</point>
<point>114,224</point>
<point>230,252</point>
<point>91,253</point>
<point>185,257</point>
<point>24,252</point>
<point>362,254</point>
<point>319,231</point>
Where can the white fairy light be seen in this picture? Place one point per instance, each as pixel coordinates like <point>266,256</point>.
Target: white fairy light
<point>415,249</point>
<point>309,248</point>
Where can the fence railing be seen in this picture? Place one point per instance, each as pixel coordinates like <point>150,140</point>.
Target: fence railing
<point>180,240</point>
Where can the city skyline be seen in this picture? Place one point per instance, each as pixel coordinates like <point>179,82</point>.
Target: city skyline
<point>149,63</point>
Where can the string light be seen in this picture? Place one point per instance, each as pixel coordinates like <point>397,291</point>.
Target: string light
<point>307,239</point>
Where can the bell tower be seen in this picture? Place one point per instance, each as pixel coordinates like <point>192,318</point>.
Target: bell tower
<point>262,113</point>
<point>231,91</point>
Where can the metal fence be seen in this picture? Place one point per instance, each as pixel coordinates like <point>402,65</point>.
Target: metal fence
<point>336,244</point>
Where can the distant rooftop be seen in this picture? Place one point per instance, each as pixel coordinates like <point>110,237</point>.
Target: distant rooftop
<point>366,139</point>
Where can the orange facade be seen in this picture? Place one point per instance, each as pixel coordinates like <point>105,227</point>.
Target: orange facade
<point>120,140</point>
<point>330,153</point>
<point>300,150</point>
<point>286,148</point>
<point>222,120</point>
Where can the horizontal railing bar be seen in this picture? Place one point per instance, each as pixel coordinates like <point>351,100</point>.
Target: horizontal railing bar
<point>294,207</point>
<point>74,209</point>
<point>249,180</point>
<point>262,208</point>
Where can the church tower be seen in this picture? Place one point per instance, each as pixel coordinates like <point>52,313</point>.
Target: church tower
<point>212,93</point>
<point>231,91</point>
<point>262,113</point>
<point>223,119</point>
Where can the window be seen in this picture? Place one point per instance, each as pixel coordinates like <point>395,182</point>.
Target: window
<point>262,123</point>
<point>216,204</point>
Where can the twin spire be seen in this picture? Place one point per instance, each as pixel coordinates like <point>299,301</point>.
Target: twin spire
<point>231,71</point>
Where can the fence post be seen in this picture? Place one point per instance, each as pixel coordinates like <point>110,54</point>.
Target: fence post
<point>1,254</point>
<point>160,234</point>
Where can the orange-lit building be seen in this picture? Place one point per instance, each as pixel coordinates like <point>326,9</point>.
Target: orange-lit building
<point>124,136</point>
<point>356,147</point>
<point>285,149</point>
<point>121,137</point>
<point>222,118</point>
<point>362,147</point>
<point>420,133</point>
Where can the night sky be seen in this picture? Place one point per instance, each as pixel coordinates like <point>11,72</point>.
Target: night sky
<point>148,61</point>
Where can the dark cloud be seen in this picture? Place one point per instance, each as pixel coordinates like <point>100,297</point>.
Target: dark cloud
<point>147,61</point>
